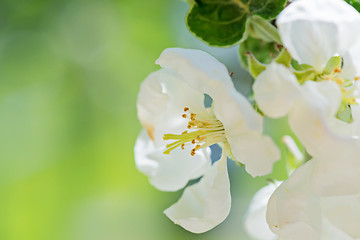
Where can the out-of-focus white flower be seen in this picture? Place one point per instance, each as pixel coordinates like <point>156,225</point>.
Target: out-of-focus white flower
<point>321,199</point>
<point>255,220</point>
<point>298,210</point>
<point>172,111</point>
<point>315,30</point>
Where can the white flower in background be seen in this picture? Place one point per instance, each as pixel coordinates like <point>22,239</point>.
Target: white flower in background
<point>172,111</point>
<point>298,211</point>
<point>320,200</point>
<point>313,31</point>
<point>255,220</point>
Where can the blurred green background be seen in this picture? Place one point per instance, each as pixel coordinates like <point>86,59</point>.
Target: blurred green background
<point>69,73</point>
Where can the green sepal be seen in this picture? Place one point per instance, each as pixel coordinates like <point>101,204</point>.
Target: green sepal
<point>344,113</point>
<point>303,76</point>
<point>284,58</point>
<point>255,67</point>
<point>332,64</point>
<point>300,67</point>
<point>262,29</point>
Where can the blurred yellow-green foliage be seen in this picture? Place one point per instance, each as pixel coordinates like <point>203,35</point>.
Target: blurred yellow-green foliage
<point>69,72</point>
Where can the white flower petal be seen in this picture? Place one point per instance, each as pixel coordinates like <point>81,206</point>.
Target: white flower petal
<point>255,221</point>
<point>169,172</point>
<point>344,213</point>
<point>330,141</point>
<point>161,101</point>
<point>256,151</point>
<point>351,66</point>
<point>205,204</point>
<point>313,118</point>
<point>315,30</point>
<point>293,211</point>
<point>297,211</point>
<point>199,69</point>
<point>329,232</point>
<point>275,90</point>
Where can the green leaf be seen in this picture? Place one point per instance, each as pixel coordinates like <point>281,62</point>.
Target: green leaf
<point>354,3</point>
<point>191,2</point>
<point>223,22</point>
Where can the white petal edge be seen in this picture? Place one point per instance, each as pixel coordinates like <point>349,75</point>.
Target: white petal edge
<point>256,151</point>
<point>255,220</point>
<point>205,204</point>
<point>199,69</point>
<point>169,172</point>
<point>293,211</point>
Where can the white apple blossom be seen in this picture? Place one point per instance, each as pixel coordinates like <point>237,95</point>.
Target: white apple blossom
<point>314,31</point>
<point>172,111</point>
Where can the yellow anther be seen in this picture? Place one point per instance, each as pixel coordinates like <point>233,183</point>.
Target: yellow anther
<point>356,78</point>
<point>200,138</point>
<point>327,77</point>
<point>343,90</point>
<point>337,70</point>
<point>339,81</point>
<point>205,131</point>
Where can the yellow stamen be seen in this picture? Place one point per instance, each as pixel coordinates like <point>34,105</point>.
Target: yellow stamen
<point>339,81</point>
<point>207,130</point>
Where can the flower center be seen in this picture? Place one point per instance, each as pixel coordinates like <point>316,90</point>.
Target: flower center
<point>203,130</point>
<point>347,86</point>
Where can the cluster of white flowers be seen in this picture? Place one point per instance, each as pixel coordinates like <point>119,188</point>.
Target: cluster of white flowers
<point>320,95</point>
